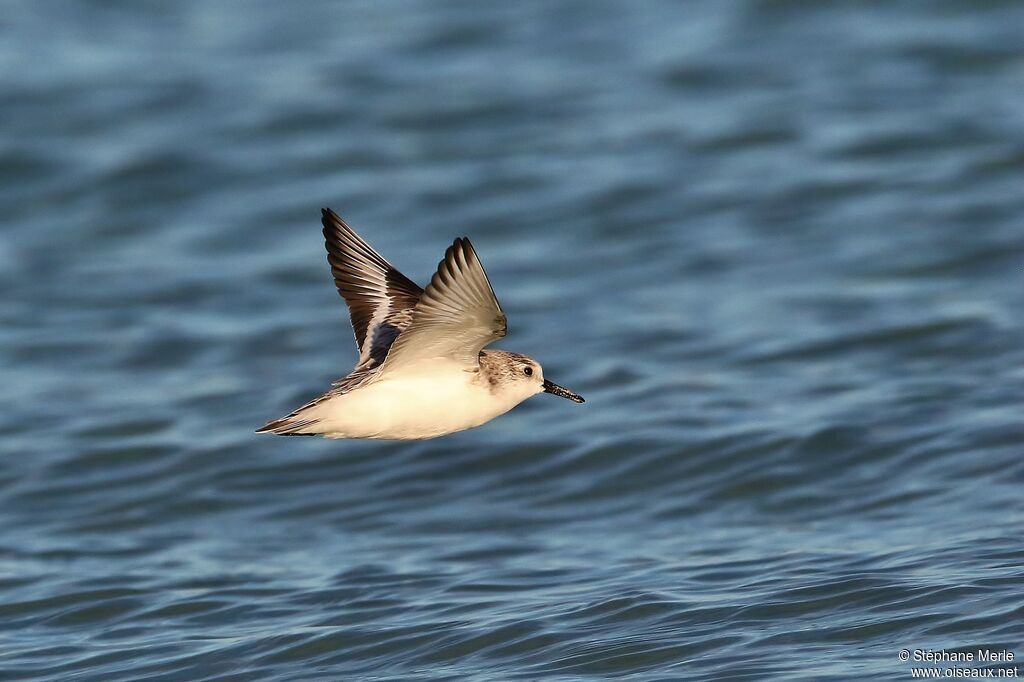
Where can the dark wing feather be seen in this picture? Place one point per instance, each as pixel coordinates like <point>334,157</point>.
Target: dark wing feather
<point>380,298</point>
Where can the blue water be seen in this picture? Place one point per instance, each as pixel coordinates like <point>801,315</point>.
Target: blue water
<point>776,244</point>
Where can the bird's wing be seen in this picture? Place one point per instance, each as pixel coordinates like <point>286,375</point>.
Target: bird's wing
<point>380,299</point>
<point>456,316</point>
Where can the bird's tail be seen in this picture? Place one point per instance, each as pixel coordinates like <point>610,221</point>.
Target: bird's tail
<point>298,423</point>
<point>288,426</point>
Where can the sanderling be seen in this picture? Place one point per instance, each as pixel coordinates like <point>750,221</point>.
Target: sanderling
<point>422,371</point>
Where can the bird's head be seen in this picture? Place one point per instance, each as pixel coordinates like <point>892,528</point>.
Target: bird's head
<point>517,375</point>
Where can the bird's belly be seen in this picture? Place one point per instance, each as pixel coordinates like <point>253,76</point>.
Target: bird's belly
<point>409,408</point>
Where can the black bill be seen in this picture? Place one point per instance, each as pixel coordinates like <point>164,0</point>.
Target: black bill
<point>555,389</point>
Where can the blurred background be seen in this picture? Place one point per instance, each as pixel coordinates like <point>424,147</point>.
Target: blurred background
<point>776,244</point>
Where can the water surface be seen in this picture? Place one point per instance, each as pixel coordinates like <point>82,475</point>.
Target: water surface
<point>776,244</point>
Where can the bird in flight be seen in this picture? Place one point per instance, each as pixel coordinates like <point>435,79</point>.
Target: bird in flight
<point>422,371</point>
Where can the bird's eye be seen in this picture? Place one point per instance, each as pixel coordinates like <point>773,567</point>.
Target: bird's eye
<point>528,371</point>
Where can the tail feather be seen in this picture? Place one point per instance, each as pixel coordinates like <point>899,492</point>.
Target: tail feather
<point>288,426</point>
<point>294,424</point>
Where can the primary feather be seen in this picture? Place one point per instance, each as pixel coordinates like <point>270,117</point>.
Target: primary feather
<point>380,298</point>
